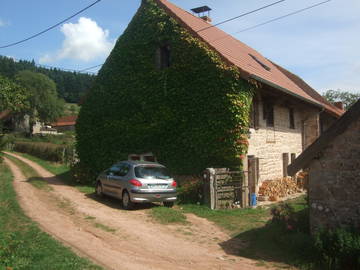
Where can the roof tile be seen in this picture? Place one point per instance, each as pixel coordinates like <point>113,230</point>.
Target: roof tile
<point>238,53</point>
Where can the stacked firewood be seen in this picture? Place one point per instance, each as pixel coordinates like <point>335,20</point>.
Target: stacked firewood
<point>275,189</point>
<point>302,179</point>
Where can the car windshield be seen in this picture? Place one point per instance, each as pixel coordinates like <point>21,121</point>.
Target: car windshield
<point>152,172</point>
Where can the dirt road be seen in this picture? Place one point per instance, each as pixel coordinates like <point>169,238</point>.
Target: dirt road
<point>118,239</point>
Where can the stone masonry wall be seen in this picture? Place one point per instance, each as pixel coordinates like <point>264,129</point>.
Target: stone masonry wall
<point>269,143</point>
<point>334,187</point>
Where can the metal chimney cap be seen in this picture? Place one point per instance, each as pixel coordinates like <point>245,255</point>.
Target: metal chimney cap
<point>201,9</point>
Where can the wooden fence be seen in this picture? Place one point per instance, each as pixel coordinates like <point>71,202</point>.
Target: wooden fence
<point>225,189</point>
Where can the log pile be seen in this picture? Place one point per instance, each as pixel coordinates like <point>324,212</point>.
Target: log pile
<point>275,189</point>
<point>302,179</point>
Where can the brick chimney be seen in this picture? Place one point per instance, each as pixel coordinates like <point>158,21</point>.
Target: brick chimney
<point>206,19</point>
<point>203,13</point>
<point>339,105</point>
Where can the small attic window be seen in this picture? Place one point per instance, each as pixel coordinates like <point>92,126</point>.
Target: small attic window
<point>163,57</point>
<point>259,62</point>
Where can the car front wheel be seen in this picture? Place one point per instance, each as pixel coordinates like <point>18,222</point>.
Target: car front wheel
<point>99,190</point>
<point>126,201</point>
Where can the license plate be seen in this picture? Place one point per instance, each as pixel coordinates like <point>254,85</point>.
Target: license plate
<point>157,186</point>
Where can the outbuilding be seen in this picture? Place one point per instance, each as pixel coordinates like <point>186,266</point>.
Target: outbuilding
<point>333,164</point>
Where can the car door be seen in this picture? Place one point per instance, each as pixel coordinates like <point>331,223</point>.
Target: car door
<point>111,179</point>
<point>118,181</point>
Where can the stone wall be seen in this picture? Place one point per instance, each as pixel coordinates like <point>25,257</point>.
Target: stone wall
<point>334,187</point>
<point>269,143</point>
<point>311,127</point>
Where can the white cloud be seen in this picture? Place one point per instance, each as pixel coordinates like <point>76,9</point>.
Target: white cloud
<point>2,23</point>
<point>84,41</point>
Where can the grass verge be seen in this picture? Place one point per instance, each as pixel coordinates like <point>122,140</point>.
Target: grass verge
<point>255,236</point>
<point>23,246</point>
<point>165,215</point>
<point>30,174</point>
<point>61,171</point>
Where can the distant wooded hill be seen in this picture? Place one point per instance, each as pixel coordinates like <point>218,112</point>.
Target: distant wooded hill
<point>70,85</point>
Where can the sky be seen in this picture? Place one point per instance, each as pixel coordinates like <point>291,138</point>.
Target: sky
<point>321,45</point>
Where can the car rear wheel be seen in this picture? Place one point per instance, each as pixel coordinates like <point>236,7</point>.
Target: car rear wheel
<point>169,204</point>
<point>99,190</point>
<point>126,201</point>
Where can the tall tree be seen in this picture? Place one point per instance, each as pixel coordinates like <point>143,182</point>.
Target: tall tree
<point>347,98</point>
<point>44,102</point>
<point>70,85</point>
<point>13,97</point>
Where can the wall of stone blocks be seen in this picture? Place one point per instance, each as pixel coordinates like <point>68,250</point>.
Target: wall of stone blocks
<point>334,186</point>
<point>269,143</point>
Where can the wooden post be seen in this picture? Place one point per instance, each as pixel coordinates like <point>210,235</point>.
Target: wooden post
<point>245,185</point>
<point>209,188</point>
<point>285,163</point>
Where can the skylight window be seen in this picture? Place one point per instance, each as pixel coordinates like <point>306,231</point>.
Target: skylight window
<point>259,62</point>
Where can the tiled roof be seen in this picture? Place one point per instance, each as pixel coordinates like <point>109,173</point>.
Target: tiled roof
<point>330,108</point>
<point>65,121</point>
<point>248,60</point>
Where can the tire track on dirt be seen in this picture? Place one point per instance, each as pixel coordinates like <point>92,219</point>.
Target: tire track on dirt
<point>137,242</point>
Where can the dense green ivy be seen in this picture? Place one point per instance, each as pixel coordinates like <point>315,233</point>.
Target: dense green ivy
<point>191,115</point>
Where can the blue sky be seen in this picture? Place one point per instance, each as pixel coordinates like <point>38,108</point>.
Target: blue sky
<point>321,45</point>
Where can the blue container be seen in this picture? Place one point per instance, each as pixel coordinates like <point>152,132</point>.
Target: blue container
<point>253,200</point>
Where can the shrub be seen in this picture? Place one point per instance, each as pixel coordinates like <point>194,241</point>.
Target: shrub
<point>189,191</point>
<point>82,174</point>
<point>284,214</point>
<point>7,142</point>
<point>339,248</point>
<point>47,151</point>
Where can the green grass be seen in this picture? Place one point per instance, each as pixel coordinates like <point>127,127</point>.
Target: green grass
<point>260,239</point>
<point>61,171</point>
<point>30,174</point>
<point>98,225</point>
<point>104,227</point>
<point>65,138</point>
<point>165,215</point>
<point>233,220</point>
<point>23,246</point>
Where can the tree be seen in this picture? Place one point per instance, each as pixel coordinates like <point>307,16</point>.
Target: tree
<point>43,99</point>
<point>347,98</point>
<point>13,98</point>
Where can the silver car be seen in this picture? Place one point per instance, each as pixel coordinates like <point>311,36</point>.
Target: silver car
<point>137,182</point>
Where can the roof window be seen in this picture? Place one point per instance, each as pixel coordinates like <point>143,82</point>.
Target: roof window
<point>259,62</point>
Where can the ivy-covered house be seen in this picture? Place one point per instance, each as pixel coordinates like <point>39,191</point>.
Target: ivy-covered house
<point>195,97</point>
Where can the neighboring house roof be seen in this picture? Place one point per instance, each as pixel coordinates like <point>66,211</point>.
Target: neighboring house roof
<point>248,60</point>
<point>4,114</point>
<point>65,121</point>
<point>336,129</point>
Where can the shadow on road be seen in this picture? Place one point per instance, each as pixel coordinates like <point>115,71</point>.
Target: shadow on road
<point>271,243</point>
<point>116,203</point>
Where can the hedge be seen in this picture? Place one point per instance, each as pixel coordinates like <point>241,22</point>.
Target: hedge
<point>339,248</point>
<point>191,115</point>
<point>47,151</point>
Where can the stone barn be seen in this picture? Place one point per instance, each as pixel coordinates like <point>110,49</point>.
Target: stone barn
<point>333,163</point>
